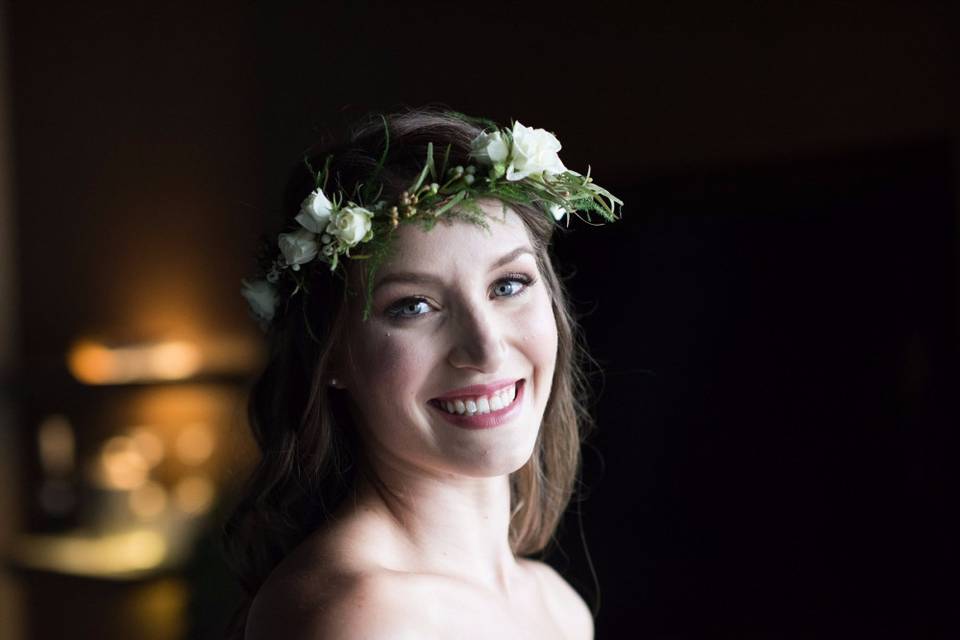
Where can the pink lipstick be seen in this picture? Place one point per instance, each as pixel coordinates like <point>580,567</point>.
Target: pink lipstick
<point>484,420</point>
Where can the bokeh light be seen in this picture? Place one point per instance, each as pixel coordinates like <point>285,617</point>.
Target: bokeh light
<point>121,465</point>
<point>195,443</point>
<point>194,494</point>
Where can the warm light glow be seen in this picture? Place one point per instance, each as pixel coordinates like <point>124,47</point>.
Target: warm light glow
<point>149,501</point>
<point>121,465</point>
<point>149,444</point>
<point>111,555</point>
<point>194,444</point>
<point>194,494</point>
<point>56,445</point>
<point>94,363</point>
<point>173,360</point>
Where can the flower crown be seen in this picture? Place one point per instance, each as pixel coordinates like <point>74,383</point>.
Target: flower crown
<point>518,165</point>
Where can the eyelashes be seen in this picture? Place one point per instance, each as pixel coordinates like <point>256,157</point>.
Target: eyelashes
<point>397,310</point>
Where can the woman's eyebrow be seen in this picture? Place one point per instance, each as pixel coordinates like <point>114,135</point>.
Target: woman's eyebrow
<point>499,262</point>
<point>416,277</point>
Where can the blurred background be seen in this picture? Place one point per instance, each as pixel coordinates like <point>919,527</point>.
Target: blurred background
<point>776,316</point>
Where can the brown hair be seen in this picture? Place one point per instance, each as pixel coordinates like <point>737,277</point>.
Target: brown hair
<point>311,453</point>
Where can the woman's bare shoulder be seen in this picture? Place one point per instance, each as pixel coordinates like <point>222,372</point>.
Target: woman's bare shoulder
<point>324,589</point>
<point>360,605</point>
<point>568,606</point>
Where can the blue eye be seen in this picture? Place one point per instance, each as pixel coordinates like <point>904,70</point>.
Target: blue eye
<point>504,282</point>
<point>397,310</point>
<point>506,287</point>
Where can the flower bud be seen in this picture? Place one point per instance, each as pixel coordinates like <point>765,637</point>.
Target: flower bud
<point>262,299</point>
<point>468,179</point>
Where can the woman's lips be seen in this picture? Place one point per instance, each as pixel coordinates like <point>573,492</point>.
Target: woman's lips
<point>485,420</point>
<point>476,390</point>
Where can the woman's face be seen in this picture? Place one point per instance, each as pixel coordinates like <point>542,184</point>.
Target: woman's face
<point>455,306</point>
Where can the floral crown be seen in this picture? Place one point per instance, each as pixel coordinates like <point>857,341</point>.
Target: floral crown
<point>518,165</point>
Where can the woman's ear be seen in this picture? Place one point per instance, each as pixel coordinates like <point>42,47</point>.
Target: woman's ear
<point>334,371</point>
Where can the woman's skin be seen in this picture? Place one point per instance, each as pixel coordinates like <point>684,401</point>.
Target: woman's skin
<point>473,319</point>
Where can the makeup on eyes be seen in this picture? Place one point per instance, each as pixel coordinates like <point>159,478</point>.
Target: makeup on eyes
<point>392,310</point>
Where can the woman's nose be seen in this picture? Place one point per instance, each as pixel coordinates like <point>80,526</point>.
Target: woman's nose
<point>479,341</point>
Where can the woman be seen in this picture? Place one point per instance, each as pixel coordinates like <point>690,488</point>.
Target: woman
<point>421,412</point>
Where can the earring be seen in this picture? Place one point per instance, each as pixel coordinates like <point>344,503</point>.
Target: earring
<point>333,383</point>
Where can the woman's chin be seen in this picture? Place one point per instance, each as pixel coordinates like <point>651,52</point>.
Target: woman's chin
<point>495,462</point>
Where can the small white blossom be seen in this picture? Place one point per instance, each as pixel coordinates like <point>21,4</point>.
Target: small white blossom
<point>261,296</point>
<point>351,225</point>
<point>557,211</point>
<point>489,148</point>
<point>315,212</point>
<point>534,152</point>
<point>298,247</point>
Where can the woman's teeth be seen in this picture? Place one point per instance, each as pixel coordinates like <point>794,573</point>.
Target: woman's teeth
<point>481,404</point>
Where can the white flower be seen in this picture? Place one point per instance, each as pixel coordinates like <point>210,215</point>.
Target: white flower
<point>298,247</point>
<point>489,147</point>
<point>557,211</point>
<point>262,298</point>
<point>534,152</point>
<point>315,212</point>
<point>351,225</point>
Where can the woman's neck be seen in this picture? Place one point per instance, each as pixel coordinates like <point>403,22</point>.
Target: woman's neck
<point>456,526</point>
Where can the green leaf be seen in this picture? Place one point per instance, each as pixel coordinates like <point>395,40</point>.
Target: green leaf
<point>316,176</point>
<point>326,172</point>
<point>452,203</point>
<point>430,165</point>
<point>446,158</point>
<point>419,182</point>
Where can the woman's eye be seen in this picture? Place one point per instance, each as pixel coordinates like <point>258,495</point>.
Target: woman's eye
<point>508,287</point>
<point>407,308</point>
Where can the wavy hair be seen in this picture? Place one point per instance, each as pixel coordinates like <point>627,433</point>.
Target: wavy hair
<point>310,450</point>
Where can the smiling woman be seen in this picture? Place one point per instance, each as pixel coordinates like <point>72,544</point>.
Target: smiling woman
<point>421,413</point>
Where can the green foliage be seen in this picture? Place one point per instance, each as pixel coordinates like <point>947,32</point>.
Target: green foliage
<point>453,193</point>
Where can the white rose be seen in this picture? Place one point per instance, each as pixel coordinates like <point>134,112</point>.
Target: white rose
<point>489,148</point>
<point>534,152</point>
<point>315,212</point>
<point>351,225</point>
<point>262,299</point>
<point>557,211</point>
<point>298,247</point>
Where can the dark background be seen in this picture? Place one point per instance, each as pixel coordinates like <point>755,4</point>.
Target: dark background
<point>776,314</point>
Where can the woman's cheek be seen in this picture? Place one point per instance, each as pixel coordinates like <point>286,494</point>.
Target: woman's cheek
<point>390,360</point>
<point>538,331</point>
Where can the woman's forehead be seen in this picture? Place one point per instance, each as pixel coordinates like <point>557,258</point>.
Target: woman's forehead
<point>456,242</point>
